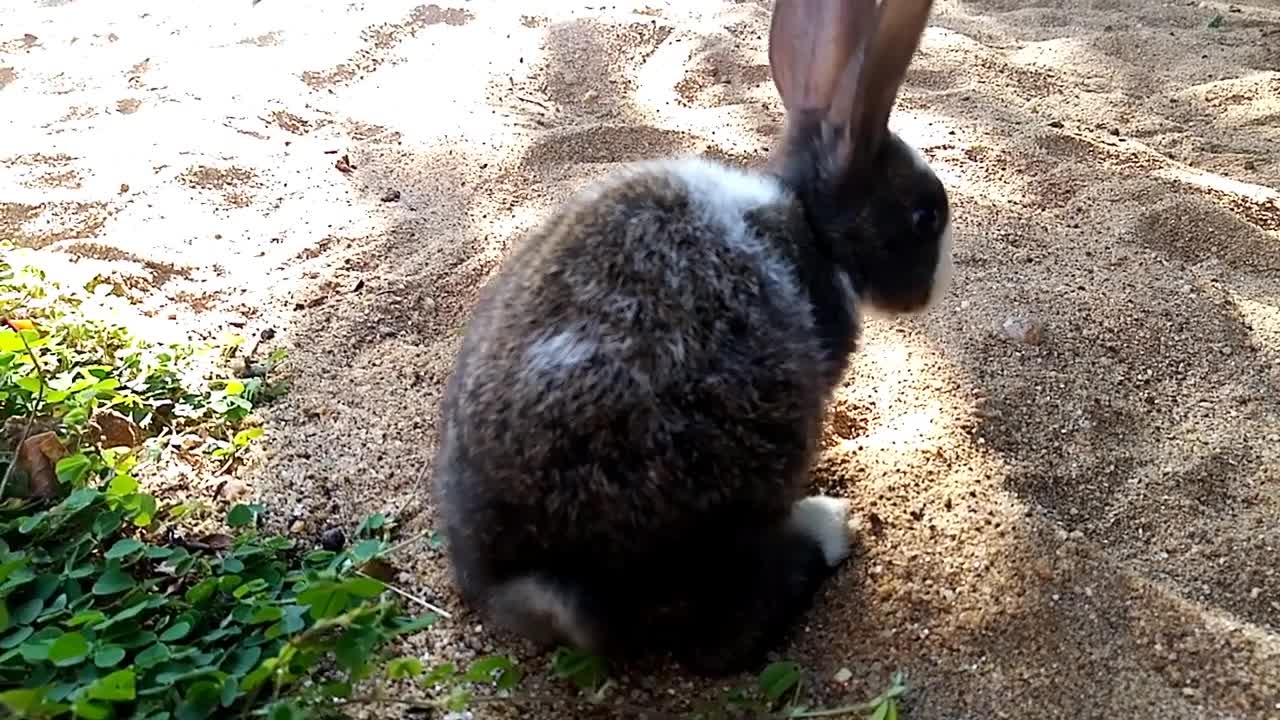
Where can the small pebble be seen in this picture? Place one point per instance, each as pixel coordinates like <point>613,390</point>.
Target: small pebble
<point>235,490</point>
<point>844,675</point>
<point>391,196</point>
<point>1023,330</point>
<point>333,539</point>
<point>298,526</point>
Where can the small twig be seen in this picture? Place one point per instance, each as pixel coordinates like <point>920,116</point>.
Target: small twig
<point>859,709</point>
<point>433,608</point>
<point>411,540</point>
<point>533,101</point>
<point>31,416</point>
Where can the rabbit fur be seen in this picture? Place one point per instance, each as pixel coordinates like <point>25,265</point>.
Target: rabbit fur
<point>626,434</point>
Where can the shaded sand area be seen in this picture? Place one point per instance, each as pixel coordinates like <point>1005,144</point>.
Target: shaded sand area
<point>1067,479</point>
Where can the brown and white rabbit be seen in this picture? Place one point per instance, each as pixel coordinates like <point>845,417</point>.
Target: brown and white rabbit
<point>627,432</point>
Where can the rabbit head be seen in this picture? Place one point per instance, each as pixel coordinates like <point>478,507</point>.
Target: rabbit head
<point>875,207</point>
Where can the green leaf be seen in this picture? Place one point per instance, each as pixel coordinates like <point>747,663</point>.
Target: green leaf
<point>116,687</point>
<point>90,710</point>
<point>92,617</point>
<point>122,485</point>
<point>405,667</point>
<point>9,567</point>
<point>244,437</point>
<point>779,678</point>
<point>230,689</point>
<point>79,500</point>
<point>107,523</point>
<point>152,656</point>
<point>509,678</point>
<point>364,587</point>
<point>72,469</point>
<point>585,670</point>
<point>373,522</point>
<point>27,612</point>
<point>409,627</point>
<point>144,509</point>
<point>366,550</point>
<point>439,674</point>
<point>11,342</point>
<point>31,384</point>
<point>69,649</point>
<point>201,700</point>
<point>240,516</point>
<point>355,646</point>
<point>35,650</point>
<point>325,601</point>
<point>175,632</point>
<point>15,638</point>
<point>250,588</point>
<point>29,523</point>
<point>284,710</point>
<point>4,615</point>
<point>31,703</point>
<point>483,668</point>
<point>243,660</point>
<point>108,656</point>
<point>266,614</point>
<point>123,548</point>
<point>113,580</point>
<point>201,591</point>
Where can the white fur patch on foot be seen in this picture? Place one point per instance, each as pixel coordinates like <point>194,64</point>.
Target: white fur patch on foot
<point>533,608</point>
<point>826,520</point>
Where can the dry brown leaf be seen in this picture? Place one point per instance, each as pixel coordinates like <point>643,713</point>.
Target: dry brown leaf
<point>380,569</point>
<point>38,458</point>
<point>116,430</point>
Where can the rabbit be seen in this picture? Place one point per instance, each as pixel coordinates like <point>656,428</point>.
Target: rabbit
<point>628,429</point>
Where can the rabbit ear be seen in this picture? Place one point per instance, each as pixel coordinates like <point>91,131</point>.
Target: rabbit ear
<point>815,46</point>
<point>867,98</point>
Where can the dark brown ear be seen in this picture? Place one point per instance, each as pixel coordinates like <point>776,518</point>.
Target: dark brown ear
<point>899,27</point>
<point>814,46</point>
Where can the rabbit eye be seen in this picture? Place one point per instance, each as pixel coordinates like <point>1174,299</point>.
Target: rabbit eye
<point>925,220</point>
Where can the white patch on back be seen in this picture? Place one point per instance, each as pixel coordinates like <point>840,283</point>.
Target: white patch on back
<point>725,195</point>
<point>558,351</point>
<point>824,519</point>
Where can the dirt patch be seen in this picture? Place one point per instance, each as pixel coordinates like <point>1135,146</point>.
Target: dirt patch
<point>69,179</point>
<point>128,106</point>
<point>38,226</point>
<point>232,182</point>
<point>7,76</point>
<point>290,122</point>
<point>263,40</point>
<point>380,40</point>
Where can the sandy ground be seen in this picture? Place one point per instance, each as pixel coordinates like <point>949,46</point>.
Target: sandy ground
<point>1079,520</point>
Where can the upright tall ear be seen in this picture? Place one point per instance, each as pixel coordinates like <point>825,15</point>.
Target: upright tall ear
<point>899,27</point>
<point>811,45</point>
